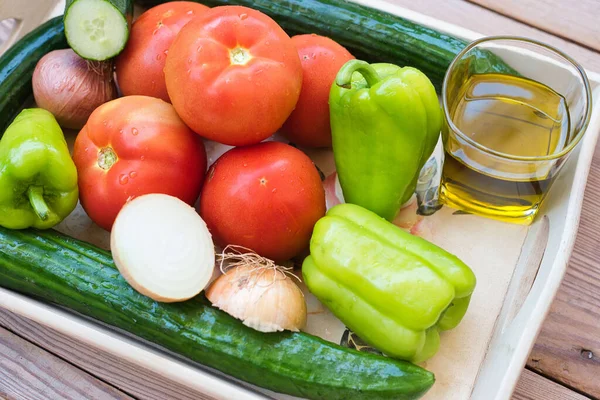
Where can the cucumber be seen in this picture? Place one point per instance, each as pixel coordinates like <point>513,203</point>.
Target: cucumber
<point>98,29</point>
<point>79,276</point>
<point>369,34</point>
<point>18,63</point>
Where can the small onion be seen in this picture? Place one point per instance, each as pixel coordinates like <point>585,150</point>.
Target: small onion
<point>258,292</point>
<point>71,88</point>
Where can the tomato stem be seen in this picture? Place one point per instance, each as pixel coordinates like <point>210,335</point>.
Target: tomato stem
<point>106,158</point>
<point>239,56</point>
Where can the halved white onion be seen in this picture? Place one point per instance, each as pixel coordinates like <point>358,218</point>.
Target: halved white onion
<point>163,248</point>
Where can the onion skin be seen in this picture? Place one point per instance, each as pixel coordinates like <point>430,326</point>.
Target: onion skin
<point>71,88</point>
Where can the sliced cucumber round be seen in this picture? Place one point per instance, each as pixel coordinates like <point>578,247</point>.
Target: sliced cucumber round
<point>97,29</point>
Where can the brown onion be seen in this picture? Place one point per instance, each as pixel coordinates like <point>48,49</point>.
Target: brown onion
<point>71,88</point>
<point>258,292</point>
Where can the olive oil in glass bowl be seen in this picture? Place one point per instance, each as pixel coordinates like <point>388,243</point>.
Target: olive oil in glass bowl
<point>506,136</point>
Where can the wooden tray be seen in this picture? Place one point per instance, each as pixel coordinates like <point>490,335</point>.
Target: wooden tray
<point>519,269</point>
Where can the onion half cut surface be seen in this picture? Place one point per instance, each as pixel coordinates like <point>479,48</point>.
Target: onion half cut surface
<point>163,248</point>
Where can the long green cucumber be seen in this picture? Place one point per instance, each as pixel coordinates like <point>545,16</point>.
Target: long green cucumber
<point>79,276</point>
<point>369,34</point>
<point>98,29</point>
<point>18,63</point>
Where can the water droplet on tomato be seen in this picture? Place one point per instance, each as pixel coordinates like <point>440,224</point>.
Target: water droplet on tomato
<point>158,56</point>
<point>245,165</point>
<point>166,52</point>
<point>105,122</point>
<point>132,174</point>
<point>134,131</point>
<point>155,31</point>
<point>199,49</point>
<point>142,158</point>
<point>189,60</point>
<point>274,190</point>
<point>243,16</point>
<point>123,179</point>
<point>313,56</point>
<point>190,12</point>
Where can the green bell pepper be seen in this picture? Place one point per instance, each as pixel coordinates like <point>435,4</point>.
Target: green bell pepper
<point>38,179</point>
<point>384,128</point>
<point>394,290</point>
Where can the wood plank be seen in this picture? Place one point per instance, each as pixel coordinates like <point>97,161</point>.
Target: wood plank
<point>576,21</point>
<point>568,347</point>
<point>130,378</point>
<point>535,387</point>
<point>484,21</point>
<point>30,373</point>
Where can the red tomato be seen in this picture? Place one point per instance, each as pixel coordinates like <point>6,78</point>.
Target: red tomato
<point>233,75</point>
<point>132,146</point>
<point>140,66</point>
<point>266,197</point>
<point>321,60</point>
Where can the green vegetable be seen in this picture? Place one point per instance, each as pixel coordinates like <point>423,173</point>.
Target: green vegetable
<point>393,289</point>
<point>38,179</point>
<point>83,278</point>
<point>369,34</point>
<point>384,129</point>
<point>98,29</point>
<point>18,63</point>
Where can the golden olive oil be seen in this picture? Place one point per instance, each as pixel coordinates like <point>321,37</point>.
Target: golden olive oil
<point>510,115</point>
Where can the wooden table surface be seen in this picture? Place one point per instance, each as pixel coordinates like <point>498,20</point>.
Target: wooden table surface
<point>37,363</point>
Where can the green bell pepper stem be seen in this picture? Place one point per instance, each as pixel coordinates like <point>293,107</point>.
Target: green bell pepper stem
<point>344,76</point>
<point>36,198</point>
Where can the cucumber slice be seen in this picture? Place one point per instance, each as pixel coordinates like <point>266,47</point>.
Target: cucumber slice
<point>98,29</point>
